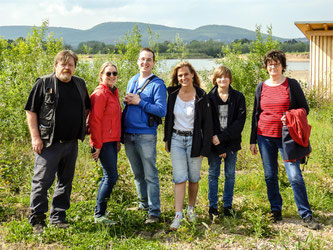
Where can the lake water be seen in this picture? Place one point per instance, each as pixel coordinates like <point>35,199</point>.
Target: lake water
<point>208,64</point>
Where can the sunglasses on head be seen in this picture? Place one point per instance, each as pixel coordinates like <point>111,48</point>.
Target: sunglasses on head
<point>108,74</point>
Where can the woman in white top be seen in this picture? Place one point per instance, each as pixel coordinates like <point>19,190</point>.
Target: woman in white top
<point>187,135</point>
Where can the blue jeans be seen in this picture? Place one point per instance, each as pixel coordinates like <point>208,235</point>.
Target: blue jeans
<point>269,147</point>
<point>108,158</point>
<point>184,166</point>
<point>213,178</point>
<point>141,153</point>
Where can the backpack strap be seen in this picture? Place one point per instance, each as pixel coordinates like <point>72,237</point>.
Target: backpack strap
<point>145,84</point>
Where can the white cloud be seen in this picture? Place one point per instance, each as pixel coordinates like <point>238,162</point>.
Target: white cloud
<point>84,14</point>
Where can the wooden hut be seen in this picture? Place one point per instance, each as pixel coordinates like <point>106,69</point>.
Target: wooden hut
<point>320,35</point>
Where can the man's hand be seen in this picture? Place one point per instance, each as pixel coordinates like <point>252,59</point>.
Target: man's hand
<point>132,99</point>
<point>37,144</point>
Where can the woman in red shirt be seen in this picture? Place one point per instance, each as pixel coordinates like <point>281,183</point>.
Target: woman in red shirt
<point>105,132</point>
<point>273,97</point>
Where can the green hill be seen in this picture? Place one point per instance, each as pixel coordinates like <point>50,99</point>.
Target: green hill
<point>112,32</point>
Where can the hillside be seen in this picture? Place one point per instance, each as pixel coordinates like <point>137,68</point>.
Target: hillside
<point>112,32</point>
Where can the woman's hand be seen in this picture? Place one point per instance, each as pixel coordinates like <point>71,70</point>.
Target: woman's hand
<point>118,146</point>
<point>224,155</point>
<point>215,140</point>
<point>166,147</point>
<point>95,155</point>
<point>253,148</point>
<point>283,119</point>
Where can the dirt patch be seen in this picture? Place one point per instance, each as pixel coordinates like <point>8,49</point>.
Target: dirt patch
<point>298,57</point>
<point>299,75</point>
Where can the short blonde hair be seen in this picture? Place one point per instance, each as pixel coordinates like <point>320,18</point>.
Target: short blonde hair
<point>221,71</point>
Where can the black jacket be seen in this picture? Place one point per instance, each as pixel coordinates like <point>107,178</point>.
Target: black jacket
<point>297,100</point>
<point>202,132</point>
<point>230,138</point>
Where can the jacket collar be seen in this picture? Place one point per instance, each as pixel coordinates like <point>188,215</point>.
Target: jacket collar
<point>200,93</point>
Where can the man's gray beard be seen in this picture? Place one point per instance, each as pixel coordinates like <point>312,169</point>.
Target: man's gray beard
<point>65,77</point>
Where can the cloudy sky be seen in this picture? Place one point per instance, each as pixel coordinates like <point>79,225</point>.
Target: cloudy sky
<point>84,14</point>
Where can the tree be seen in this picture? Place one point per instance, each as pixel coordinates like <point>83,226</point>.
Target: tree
<point>248,71</point>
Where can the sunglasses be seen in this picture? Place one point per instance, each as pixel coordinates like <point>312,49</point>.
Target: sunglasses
<point>108,74</point>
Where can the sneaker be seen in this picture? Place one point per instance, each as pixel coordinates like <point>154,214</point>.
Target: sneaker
<point>152,219</point>
<point>191,215</point>
<point>229,211</point>
<point>311,223</point>
<point>104,220</point>
<point>39,227</point>
<point>213,213</point>
<point>176,223</point>
<point>276,216</point>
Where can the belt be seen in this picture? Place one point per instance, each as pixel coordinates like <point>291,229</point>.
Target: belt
<point>183,133</point>
<point>65,141</point>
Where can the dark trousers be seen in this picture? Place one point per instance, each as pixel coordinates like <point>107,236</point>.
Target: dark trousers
<point>57,160</point>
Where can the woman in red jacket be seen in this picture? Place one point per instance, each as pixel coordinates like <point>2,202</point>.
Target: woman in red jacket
<point>105,131</point>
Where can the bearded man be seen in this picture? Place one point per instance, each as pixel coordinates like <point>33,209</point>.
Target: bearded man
<point>56,114</point>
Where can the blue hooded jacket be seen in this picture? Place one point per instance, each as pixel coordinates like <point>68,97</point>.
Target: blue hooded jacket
<point>153,101</point>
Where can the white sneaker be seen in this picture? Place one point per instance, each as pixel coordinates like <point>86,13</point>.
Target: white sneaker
<point>191,215</point>
<point>176,223</point>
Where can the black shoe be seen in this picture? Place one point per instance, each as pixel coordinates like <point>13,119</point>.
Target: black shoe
<point>213,213</point>
<point>276,216</point>
<point>61,224</point>
<point>229,211</point>
<point>311,223</point>
<point>39,227</point>
<point>152,219</point>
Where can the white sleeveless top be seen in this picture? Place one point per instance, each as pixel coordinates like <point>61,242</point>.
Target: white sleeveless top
<point>184,115</point>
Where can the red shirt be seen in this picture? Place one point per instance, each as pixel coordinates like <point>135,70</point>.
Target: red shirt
<point>274,101</point>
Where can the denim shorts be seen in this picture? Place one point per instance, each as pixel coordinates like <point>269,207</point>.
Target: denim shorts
<point>184,166</point>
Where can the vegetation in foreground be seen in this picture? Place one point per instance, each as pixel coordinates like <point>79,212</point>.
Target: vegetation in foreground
<point>250,228</point>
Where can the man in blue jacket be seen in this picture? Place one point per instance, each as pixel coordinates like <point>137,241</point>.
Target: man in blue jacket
<point>145,105</point>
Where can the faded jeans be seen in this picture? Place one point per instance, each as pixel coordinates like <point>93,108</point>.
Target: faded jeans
<point>141,153</point>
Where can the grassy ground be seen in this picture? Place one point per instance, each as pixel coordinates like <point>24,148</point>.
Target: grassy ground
<point>250,228</point>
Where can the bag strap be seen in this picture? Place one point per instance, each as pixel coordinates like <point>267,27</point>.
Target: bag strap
<point>145,84</point>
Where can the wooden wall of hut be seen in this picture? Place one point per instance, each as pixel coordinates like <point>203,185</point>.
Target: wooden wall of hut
<point>321,58</point>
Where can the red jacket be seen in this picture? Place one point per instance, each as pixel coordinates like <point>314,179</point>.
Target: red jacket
<point>299,129</point>
<point>105,116</point>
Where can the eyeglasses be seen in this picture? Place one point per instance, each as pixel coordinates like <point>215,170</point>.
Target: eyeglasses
<point>108,74</point>
<point>274,65</point>
<point>148,60</point>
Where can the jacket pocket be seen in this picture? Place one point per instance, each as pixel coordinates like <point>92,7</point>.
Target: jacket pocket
<point>45,131</point>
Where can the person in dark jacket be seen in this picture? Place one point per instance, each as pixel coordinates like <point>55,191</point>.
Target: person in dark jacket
<point>188,135</point>
<point>273,97</point>
<point>56,111</point>
<point>229,115</point>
